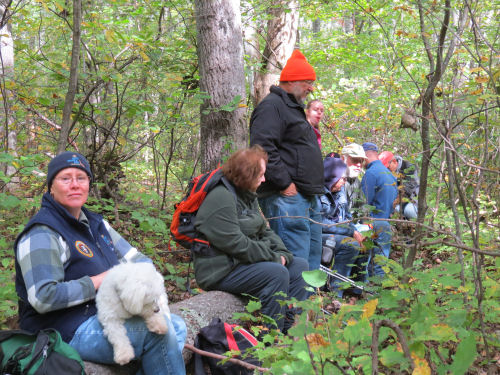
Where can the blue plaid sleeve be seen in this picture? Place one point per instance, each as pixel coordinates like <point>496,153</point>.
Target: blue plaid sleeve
<point>41,254</point>
<point>125,251</point>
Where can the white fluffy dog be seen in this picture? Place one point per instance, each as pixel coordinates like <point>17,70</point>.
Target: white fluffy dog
<point>127,290</point>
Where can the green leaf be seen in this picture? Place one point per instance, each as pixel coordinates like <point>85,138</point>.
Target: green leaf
<point>465,356</point>
<point>315,278</point>
<point>253,306</point>
<point>8,202</point>
<point>390,356</point>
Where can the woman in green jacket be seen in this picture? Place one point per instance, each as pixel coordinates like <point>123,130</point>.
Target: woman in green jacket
<point>247,256</point>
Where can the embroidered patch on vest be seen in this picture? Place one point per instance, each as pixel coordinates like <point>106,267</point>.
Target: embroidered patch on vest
<point>84,249</point>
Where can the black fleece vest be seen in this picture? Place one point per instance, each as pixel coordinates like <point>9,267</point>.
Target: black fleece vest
<point>92,253</point>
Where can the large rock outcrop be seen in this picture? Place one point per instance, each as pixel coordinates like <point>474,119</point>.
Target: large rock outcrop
<point>197,312</point>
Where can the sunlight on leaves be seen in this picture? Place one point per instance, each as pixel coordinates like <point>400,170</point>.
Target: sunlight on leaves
<point>421,366</point>
<point>316,340</point>
<point>369,308</point>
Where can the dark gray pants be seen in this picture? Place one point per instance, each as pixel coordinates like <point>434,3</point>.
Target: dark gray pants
<point>263,280</point>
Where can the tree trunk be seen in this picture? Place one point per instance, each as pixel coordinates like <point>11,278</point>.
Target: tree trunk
<point>73,78</point>
<point>220,54</point>
<point>437,66</point>
<point>280,42</point>
<point>7,131</point>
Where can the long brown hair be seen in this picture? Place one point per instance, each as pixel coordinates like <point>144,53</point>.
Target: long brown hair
<point>243,167</point>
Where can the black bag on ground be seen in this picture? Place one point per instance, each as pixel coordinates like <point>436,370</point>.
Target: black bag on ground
<point>42,353</point>
<point>219,337</point>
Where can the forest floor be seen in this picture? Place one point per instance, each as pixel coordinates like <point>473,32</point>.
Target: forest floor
<point>175,265</point>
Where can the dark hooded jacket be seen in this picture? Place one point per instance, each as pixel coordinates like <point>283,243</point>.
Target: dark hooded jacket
<point>238,234</point>
<point>279,125</point>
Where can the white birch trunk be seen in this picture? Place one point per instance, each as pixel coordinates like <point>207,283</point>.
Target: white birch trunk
<point>8,132</point>
<point>280,42</point>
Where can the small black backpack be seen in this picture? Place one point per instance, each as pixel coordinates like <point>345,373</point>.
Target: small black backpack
<point>219,337</point>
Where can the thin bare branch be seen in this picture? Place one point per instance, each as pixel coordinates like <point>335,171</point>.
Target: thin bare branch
<point>229,359</point>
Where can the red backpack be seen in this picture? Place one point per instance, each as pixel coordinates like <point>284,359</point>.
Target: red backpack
<point>182,227</point>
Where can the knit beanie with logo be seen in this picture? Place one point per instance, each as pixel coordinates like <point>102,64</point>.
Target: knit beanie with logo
<point>68,159</point>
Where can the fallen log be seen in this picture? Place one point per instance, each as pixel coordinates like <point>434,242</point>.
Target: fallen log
<point>197,312</point>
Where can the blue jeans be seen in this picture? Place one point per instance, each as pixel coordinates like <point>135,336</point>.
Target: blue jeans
<point>301,234</point>
<point>383,232</point>
<point>263,280</point>
<point>410,210</point>
<point>346,254</point>
<point>159,354</point>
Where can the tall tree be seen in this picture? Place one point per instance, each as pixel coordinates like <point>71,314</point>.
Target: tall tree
<point>73,77</point>
<point>7,131</point>
<point>280,40</point>
<point>222,79</point>
<point>437,66</point>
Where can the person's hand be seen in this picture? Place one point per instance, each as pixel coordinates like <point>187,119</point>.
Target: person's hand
<point>290,191</point>
<point>97,279</point>
<point>359,238</point>
<point>283,261</point>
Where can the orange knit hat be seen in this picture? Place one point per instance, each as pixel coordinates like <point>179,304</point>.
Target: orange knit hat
<point>297,69</point>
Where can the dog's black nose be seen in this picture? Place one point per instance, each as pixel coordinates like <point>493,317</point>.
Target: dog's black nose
<point>157,310</point>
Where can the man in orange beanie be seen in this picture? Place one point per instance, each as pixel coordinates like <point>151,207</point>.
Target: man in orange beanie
<point>294,174</point>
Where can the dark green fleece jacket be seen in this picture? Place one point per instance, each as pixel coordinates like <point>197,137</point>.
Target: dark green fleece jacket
<point>237,232</point>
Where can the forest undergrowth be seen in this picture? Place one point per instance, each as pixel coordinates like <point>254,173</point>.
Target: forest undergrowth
<point>424,320</point>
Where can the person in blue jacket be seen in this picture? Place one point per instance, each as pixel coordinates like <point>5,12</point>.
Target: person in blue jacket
<point>345,241</point>
<point>380,188</point>
<point>62,256</point>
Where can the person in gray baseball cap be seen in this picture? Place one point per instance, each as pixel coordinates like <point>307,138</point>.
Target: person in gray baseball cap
<point>354,156</point>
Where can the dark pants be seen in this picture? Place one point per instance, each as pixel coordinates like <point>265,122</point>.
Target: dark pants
<point>263,280</point>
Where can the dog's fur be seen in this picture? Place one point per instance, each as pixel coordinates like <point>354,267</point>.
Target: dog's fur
<point>127,290</point>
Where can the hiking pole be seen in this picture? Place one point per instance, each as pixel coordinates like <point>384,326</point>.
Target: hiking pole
<point>345,279</point>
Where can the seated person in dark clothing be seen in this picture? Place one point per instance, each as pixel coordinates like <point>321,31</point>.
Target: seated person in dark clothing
<point>407,180</point>
<point>245,255</point>
<point>407,175</point>
<point>344,239</point>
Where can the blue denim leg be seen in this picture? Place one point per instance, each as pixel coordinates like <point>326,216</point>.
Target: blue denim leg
<point>345,253</point>
<point>301,236</point>
<point>316,246</point>
<point>159,354</point>
<point>411,211</point>
<point>384,236</point>
<point>263,280</point>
